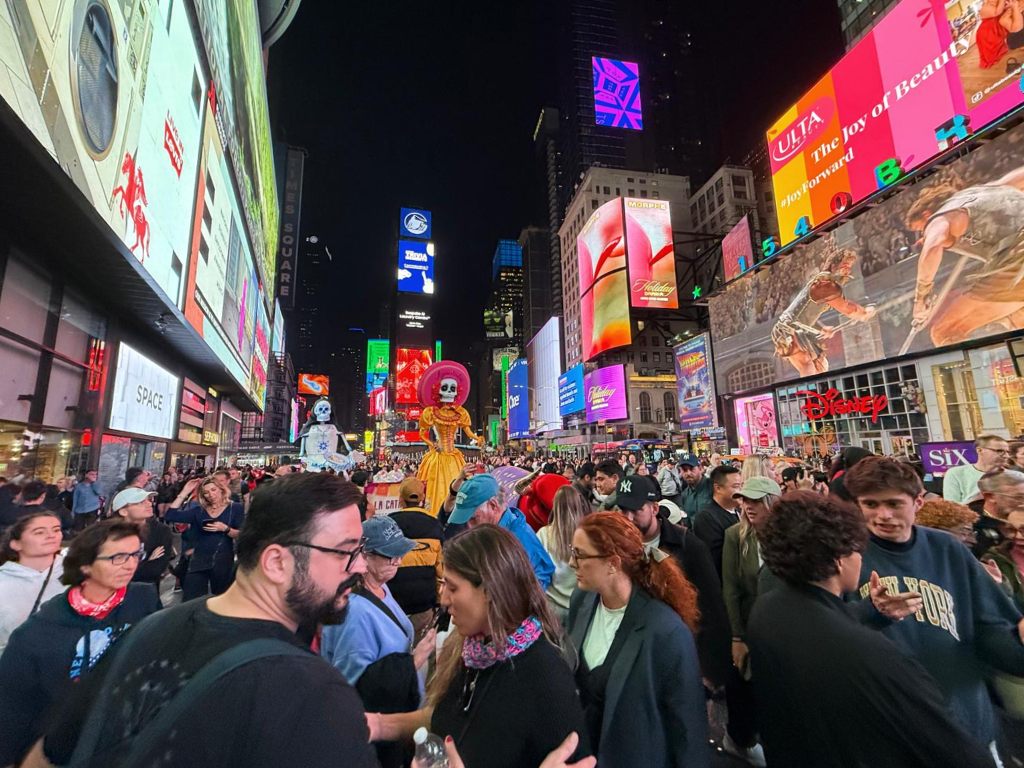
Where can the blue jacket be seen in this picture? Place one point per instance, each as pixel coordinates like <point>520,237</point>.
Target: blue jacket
<point>515,523</point>
<point>86,498</point>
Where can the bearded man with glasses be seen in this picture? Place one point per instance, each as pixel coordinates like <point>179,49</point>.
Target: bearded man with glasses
<point>961,483</point>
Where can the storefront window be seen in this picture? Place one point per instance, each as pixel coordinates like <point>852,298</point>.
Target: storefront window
<point>19,366</point>
<point>957,399</point>
<point>999,389</point>
<point>24,301</point>
<point>47,455</point>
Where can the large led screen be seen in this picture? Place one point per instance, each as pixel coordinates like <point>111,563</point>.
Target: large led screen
<point>415,222</point>
<point>409,367</point>
<point>518,400</point>
<point>415,266</point>
<point>617,94</point>
<point>316,384</point>
<point>277,345</point>
<point>756,427</point>
<point>231,34</point>
<point>695,387</point>
<point>127,127</point>
<point>260,357</point>
<point>737,250</point>
<point>378,353</point>
<point>605,394</point>
<point>915,84</point>
<point>940,263</point>
<point>145,396</point>
<point>544,362</point>
<point>651,255</point>
<point>604,289</point>
<point>570,391</point>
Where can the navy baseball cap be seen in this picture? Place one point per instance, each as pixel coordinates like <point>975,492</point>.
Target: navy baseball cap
<point>634,491</point>
<point>384,537</point>
<point>688,458</point>
<point>472,493</point>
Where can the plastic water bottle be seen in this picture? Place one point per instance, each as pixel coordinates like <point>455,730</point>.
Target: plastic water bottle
<point>430,751</point>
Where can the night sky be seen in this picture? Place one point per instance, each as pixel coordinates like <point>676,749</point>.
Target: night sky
<point>434,105</point>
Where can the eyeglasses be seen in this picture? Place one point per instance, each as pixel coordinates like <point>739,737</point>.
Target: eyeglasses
<point>351,554</point>
<point>575,554</point>
<point>1000,451</point>
<point>393,560</point>
<point>120,558</point>
<point>1009,530</point>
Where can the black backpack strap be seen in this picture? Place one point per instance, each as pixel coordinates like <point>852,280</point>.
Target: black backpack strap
<point>363,592</point>
<point>224,663</point>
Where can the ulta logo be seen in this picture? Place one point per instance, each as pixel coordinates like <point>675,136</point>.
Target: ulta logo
<point>801,131</point>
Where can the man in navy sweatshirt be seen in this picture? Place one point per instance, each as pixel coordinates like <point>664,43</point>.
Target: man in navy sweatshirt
<point>964,622</point>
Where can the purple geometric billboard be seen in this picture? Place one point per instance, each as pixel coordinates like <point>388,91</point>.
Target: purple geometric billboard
<point>617,94</point>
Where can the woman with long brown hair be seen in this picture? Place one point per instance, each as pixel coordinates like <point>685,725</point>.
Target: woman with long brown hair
<point>568,509</point>
<point>632,622</point>
<point>502,691</point>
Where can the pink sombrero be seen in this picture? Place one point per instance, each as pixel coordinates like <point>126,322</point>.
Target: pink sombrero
<point>430,382</point>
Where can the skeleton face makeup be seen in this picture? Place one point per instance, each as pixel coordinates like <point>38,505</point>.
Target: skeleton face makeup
<point>448,390</point>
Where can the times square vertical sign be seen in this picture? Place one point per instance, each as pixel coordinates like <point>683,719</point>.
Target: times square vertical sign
<point>291,209</point>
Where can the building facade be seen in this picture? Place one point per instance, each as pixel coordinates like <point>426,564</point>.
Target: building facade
<point>859,16</point>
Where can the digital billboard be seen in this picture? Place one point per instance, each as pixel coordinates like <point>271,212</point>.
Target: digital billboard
<point>918,82</point>
<point>378,357</point>
<point>756,427</point>
<point>617,93</point>
<point>415,266</point>
<point>518,400</point>
<point>379,401</point>
<point>544,363</point>
<point>126,128</point>
<point>415,327</point>
<point>939,263</point>
<point>409,367</point>
<point>651,254</point>
<point>230,30</point>
<point>260,357</point>
<point>415,222</point>
<point>605,394</point>
<point>570,391</point>
<point>316,384</point>
<point>604,289</point>
<point>277,345</point>
<point>695,388</point>
<point>145,397</point>
<point>737,250</point>
<point>507,352</point>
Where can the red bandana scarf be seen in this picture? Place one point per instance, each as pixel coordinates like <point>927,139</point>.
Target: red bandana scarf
<point>83,607</point>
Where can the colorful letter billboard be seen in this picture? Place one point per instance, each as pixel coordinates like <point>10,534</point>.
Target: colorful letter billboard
<point>604,289</point>
<point>756,427</point>
<point>518,400</point>
<point>605,392</point>
<point>378,353</point>
<point>415,222</point>
<point>737,250</point>
<point>409,367</point>
<point>316,384</point>
<point>570,391</point>
<point>617,94</point>
<point>651,255</point>
<point>415,266</point>
<point>851,297</point>
<point>694,385</point>
<point>916,84</point>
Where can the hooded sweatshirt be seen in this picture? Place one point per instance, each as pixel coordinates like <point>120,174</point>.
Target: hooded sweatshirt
<point>19,588</point>
<point>51,649</point>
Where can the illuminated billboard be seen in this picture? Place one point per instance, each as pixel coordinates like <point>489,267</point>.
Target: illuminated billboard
<point>316,384</point>
<point>379,401</point>
<point>617,94</point>
<point>415,222</point>
<point>939,263</point>
<point>378,352</point>
<point>737,250</point>
<point>651,255</point>
<point>917,83</point>
<point>695,388</point>
<point>544,363</point>
<point>570,391</point>
<point>605,394</point>
<point>415,326</point>
<point>277,345</point>
<point>260,357</point>
<point>415,266</point>
<point>604,289</point>
<point>756,427</point>
<point>145,396</point>
<point>518,400</point>
<point>409,367</point>
<point>503,352</point>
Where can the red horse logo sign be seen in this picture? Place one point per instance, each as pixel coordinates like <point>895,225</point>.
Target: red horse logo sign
<point>132,191</point>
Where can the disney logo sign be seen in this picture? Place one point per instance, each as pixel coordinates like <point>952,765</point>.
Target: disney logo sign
<point>831,404</point>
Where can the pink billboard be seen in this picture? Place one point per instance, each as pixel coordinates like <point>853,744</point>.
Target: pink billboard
<point>604,289</point>
<point>927,76</point>
<point>756,426</point>
<point>737,250</point>
<point>605,391</point>
<point>651,255</point>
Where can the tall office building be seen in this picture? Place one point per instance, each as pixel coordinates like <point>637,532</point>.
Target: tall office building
<point>537,288</point>
<point>859,16</point>
<point>311,303</point>
<point>506,300</point>
<point>545,140</point>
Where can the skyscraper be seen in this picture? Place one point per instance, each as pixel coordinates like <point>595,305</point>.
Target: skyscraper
<point>858,16</point>
<point>537,288</point>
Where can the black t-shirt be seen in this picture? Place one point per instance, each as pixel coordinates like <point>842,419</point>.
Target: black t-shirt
<point>286,710</point>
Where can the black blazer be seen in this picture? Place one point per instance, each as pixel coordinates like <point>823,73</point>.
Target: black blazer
<point>654,712</point>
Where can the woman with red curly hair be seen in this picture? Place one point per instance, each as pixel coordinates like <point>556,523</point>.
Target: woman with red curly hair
<point>631,622</point>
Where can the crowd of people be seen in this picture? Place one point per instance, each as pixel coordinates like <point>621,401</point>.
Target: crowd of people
<point>615,611</point>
